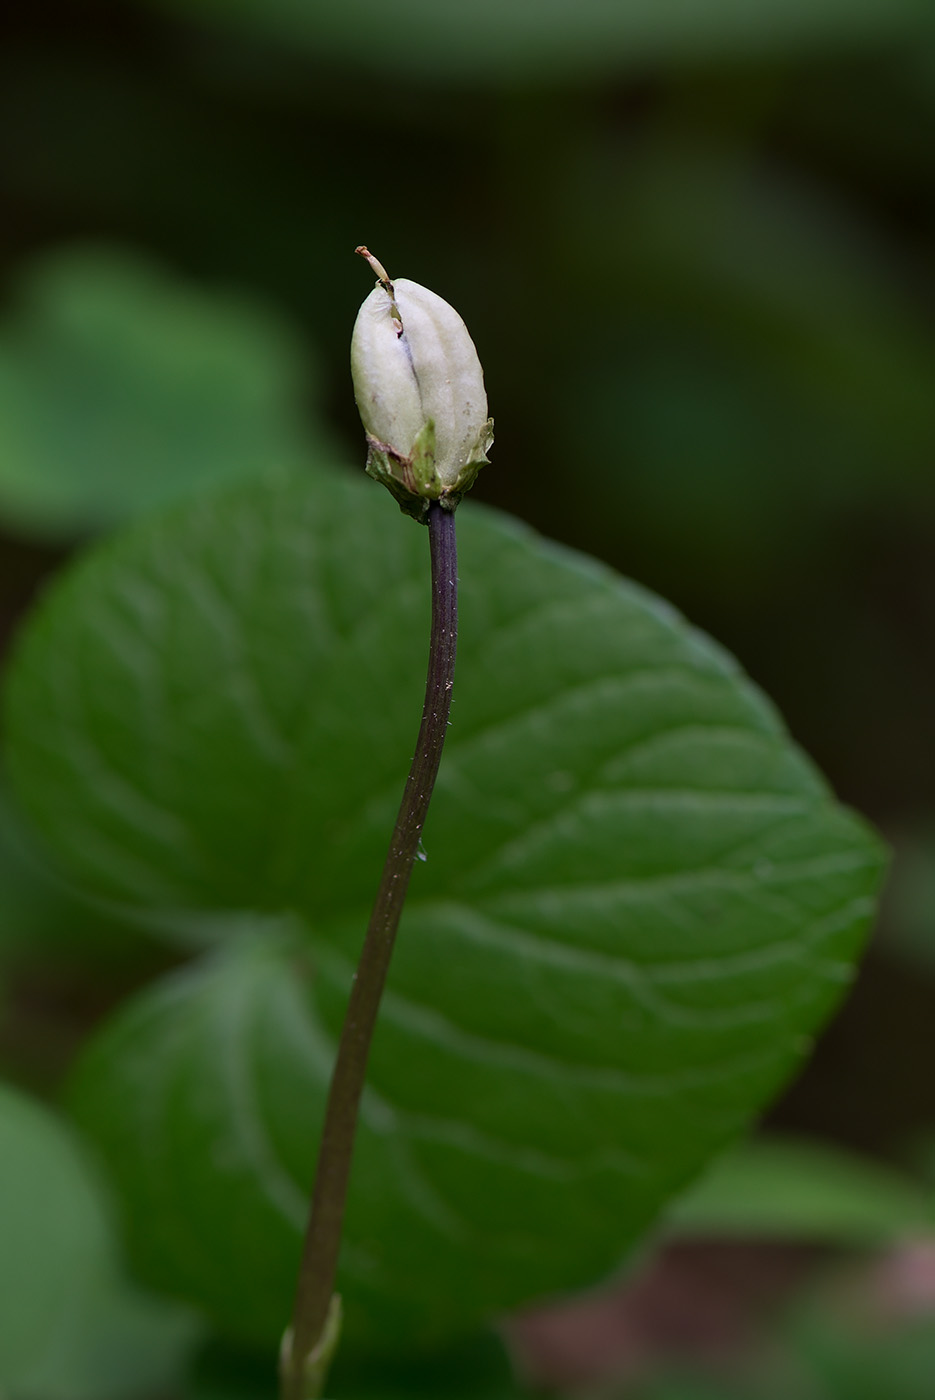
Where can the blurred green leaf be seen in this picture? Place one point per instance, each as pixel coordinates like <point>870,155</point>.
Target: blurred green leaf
<point>639,898</point>
<point>760,365</point>
<point>823,1350</point>
<point>122,387</point>
<point>492,40</point>
<point>857,1357</point>
<point>56,1241</point>
<point>70,1328</point>
<point>804,1191</point>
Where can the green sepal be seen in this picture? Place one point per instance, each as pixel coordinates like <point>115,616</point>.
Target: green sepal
<point>413,481</point>
<point>388,468</point>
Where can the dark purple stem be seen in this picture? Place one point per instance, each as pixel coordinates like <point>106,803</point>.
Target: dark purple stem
<point>323,1238</point>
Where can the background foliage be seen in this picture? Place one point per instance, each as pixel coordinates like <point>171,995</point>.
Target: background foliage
<point>694,246</point>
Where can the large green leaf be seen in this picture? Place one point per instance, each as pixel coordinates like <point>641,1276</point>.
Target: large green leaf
<point>638,903</point>
<point>490,40</point>
<point>70,1329</point>
<point>122,387</point>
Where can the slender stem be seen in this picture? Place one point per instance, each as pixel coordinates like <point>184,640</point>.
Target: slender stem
<point>323,1238</point>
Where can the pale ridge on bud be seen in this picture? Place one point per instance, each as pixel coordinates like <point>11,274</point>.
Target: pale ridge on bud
<point>419,388</point>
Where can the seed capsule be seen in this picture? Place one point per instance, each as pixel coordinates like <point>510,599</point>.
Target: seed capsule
<point>419,388</point>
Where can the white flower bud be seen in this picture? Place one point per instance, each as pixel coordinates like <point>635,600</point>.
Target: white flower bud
<point>420,392</point>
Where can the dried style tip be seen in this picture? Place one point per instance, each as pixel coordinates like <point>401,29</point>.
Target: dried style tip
<point>378,267</point>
